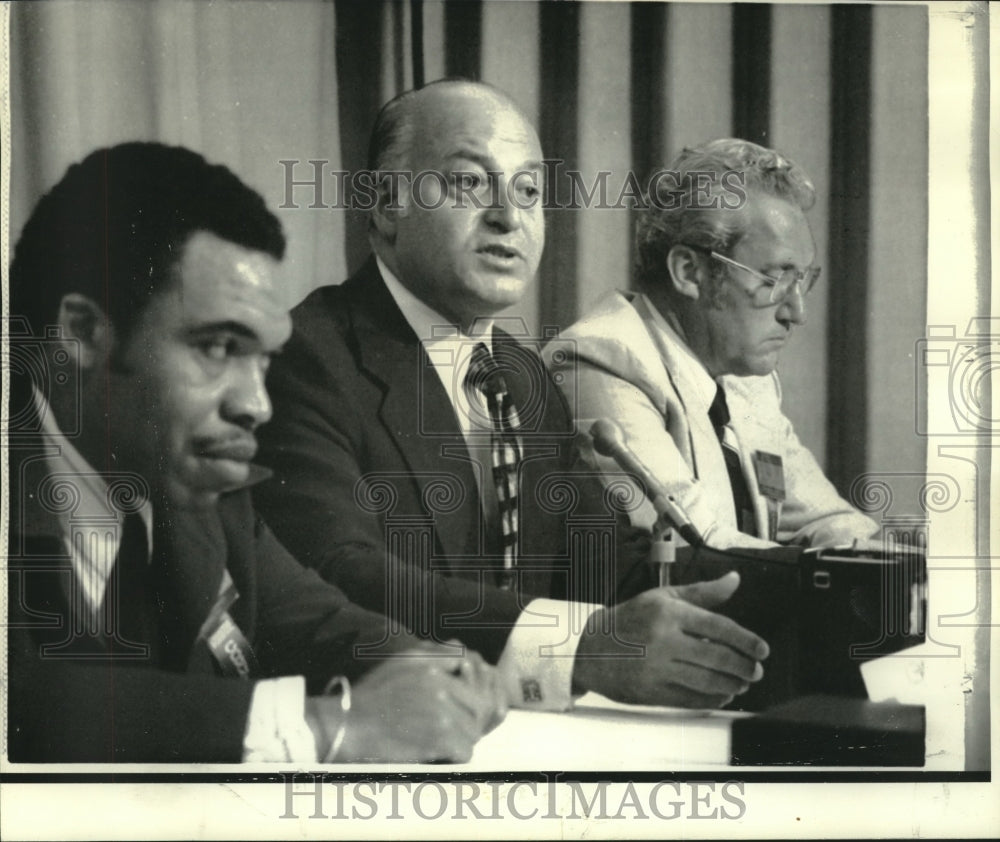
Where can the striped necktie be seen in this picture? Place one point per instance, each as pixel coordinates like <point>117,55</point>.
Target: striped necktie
<point>742,501</point>
<point>485,377</point>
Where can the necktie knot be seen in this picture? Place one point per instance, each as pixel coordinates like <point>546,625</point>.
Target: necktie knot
<point>484,373</point>
<point>486,378</point>
<point>718,412</point>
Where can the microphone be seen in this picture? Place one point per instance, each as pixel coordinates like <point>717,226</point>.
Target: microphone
<point>609,440</point>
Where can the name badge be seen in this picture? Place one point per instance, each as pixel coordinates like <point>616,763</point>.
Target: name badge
<point>231,650</point>
<point>770,475</point>
<point>771,482</point>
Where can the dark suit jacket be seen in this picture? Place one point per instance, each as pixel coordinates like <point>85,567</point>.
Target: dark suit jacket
<point>373,484</point>
<point>70,700</point>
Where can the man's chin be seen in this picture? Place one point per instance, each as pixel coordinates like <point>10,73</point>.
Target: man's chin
<point>499,294</point>
<point>758,367</point>
<point>189,496</point>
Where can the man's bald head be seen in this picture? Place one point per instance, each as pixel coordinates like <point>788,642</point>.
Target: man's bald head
<point>392,135</point>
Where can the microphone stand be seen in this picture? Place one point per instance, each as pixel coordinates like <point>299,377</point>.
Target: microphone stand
<point>663,549</point>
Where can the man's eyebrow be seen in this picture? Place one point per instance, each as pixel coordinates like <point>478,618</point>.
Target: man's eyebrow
<point>470,155</point>
<point>210,328</point>
<point>488,163</point>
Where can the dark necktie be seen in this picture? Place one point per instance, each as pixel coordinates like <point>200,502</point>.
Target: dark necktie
<point>484,376</point>
<point>128,605</point>
<point>742,501</point>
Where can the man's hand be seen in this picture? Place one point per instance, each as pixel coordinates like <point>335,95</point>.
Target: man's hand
<point>416,707</point>
<point>690,656</point>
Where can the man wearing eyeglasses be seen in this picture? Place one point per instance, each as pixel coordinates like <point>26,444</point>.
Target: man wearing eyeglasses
<point>686,365</point>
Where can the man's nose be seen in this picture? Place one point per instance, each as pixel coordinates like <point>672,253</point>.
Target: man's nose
<point>793,307</point>
<point>503,212</point>
<point>246,401</point>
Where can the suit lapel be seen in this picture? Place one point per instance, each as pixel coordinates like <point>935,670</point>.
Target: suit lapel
<point>46,600</point>
<point>416,412</point>
<point>29,517</point>
<point>703,451</point>
<point>40,572</point>
<point>38,586</point>
<point>699,437</point>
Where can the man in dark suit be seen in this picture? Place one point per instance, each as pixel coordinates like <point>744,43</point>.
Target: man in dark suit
<point>152,615</point>
<point>424,458</point>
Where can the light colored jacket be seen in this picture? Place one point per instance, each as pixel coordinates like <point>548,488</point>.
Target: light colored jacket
<point>623,363</point>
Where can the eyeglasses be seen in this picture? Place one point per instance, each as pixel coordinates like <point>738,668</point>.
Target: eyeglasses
<point>775,289</point>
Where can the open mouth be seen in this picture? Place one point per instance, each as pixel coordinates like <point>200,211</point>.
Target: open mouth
<point>501,252</point>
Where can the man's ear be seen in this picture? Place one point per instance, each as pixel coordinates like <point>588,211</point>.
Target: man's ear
<point>685,272</point>
<point>86,330</point>
<point>388,208</point>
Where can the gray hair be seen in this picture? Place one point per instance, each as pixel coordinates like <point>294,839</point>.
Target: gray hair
<point>696,200</point>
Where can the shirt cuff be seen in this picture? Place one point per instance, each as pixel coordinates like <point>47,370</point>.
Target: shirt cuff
<point>276,725</point>
<point>536,665</point>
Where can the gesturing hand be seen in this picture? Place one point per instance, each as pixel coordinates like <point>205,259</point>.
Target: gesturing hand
<point>415,707</point>
<point>665,647</point>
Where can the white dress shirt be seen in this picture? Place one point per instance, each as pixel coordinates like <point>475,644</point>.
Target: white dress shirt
<point>537,662</point>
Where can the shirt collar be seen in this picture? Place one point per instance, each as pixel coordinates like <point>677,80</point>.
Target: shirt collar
<point>94,501</point>
<point>84,528</point>
<point>429,325</point>
<point>447,348</point>
<point>694,372</point>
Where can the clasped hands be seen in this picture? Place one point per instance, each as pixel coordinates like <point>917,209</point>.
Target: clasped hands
<point>423,704</point>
